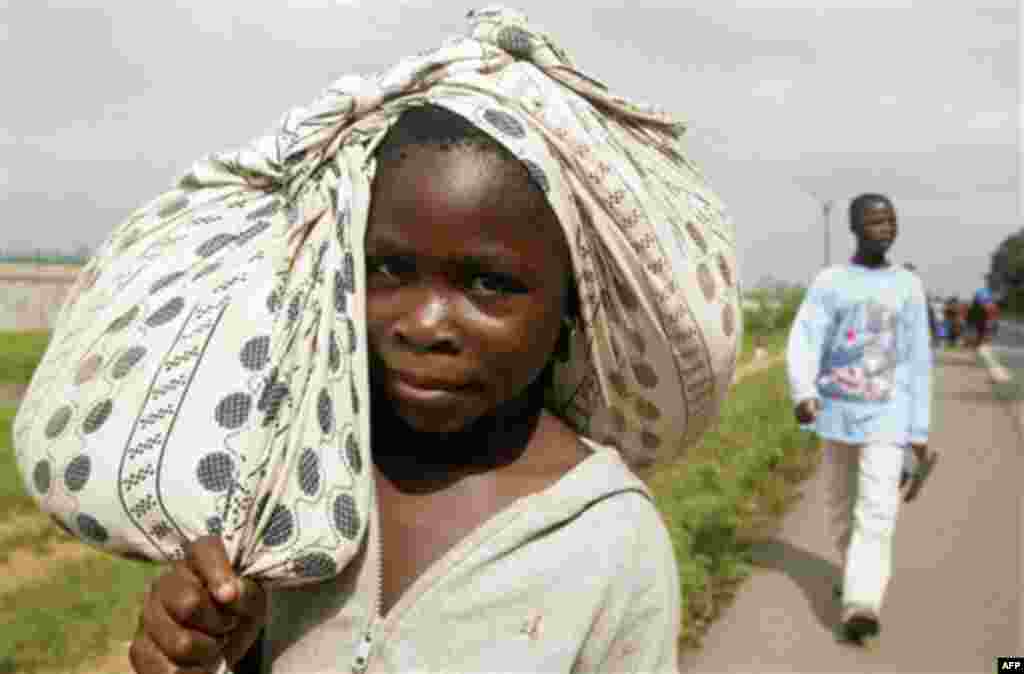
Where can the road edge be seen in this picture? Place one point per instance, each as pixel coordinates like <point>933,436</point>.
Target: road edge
<point>1000,375</point>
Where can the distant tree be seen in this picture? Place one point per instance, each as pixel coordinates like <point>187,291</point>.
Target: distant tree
<point>1006,274</point>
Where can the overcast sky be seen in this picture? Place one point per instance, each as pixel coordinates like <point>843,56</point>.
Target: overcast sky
<point>106,103</point>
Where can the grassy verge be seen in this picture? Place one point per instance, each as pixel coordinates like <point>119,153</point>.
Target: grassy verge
<point>79,613</point>
<point>772,343</point>
<point>22,524</point>
<point>14,500</point>
<point>1007,391</point>
<point>80,609</point>
<point>737,482</point>
<point>20,353</point>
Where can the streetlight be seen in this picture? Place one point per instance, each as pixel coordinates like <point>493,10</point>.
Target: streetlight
<point>827,209</point>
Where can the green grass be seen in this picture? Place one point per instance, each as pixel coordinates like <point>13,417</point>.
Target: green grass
<point>80,612</point>
<point>1011,391</point>
<point>1007,391</point>
<point>733,486</point>
<point>14,500</point>
<point>22,524</point>
<point>773,343</point>
<point>20,353</point>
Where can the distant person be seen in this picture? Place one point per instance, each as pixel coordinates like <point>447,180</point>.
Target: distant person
<point>993,312</point>
<point>962,308</point>
<point>982,316</point>
<point>859,365</point>
<point>954,320</point>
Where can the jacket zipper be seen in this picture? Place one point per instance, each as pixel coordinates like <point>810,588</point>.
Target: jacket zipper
<point>363,651</point>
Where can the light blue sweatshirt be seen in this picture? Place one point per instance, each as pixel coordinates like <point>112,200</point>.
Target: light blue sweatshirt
<point>860,344</point>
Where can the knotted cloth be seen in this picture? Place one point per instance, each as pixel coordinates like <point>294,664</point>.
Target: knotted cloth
<point>208,370</point>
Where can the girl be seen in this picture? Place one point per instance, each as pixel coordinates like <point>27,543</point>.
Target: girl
<point>489,507</point>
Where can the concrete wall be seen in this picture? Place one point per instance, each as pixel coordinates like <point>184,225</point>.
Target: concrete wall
<point>31,296</point>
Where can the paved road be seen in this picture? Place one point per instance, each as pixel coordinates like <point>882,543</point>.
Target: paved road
<point>954,600</point>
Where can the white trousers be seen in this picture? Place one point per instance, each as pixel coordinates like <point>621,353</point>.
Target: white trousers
<point>864,500</point>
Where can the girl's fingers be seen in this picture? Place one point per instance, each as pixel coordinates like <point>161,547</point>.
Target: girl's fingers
<point>146,658</point>
<point>208,559</point>
<point>175,641</point>
<point>188,602</point>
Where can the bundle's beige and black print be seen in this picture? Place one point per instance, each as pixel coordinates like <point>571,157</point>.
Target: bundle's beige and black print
<point>208,372</point>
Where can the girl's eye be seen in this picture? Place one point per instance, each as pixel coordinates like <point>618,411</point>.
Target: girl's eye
<point>390,268</point>
<point>494,284</point>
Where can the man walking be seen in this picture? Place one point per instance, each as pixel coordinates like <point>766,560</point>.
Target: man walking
<point>859,363</point>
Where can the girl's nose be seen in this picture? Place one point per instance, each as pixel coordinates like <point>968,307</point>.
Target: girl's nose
<point>429,325</point>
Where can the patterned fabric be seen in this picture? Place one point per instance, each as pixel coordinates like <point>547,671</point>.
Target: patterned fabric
<point>208,372</point>
<point>860,344</point>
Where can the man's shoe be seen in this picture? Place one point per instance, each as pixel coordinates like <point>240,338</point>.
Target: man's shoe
<point>922,469</point>
<point>861,626</point>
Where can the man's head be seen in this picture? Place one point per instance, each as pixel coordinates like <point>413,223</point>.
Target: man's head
<point>873,222</point>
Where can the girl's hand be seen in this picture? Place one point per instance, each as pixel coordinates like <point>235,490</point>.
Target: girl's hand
<point>198,614</point>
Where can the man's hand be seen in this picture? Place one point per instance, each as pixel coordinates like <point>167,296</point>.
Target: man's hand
<point>198,614</point>
<point>924,463</point>
<point>806,411</point>
<point>920,450</point>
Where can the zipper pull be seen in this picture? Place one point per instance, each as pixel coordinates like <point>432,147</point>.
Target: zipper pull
<point>362,660</point>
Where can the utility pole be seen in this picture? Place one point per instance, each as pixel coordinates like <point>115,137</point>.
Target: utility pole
<point>827,207</point>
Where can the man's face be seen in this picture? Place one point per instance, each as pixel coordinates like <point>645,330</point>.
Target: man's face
<point>877,229</point>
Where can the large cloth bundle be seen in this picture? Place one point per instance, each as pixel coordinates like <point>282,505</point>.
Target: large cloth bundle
<point>208,372</point>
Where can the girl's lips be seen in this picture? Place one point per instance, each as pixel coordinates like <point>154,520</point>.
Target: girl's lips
<point>428,383</point>
<point>429,391</point>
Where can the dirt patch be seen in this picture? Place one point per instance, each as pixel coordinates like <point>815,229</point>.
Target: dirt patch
<point>26,567</point>
<point>115,662</point>
<point>760,362</point>
<point>11,394</point>
<point>13,525</point>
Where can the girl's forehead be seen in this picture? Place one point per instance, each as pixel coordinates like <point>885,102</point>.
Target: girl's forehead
<point>459,197</point>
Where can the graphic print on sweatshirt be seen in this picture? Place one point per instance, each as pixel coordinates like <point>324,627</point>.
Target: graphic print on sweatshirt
<point>861,363</point>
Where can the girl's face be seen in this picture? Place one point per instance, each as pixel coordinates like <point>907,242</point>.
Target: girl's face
<point>467,274</point>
